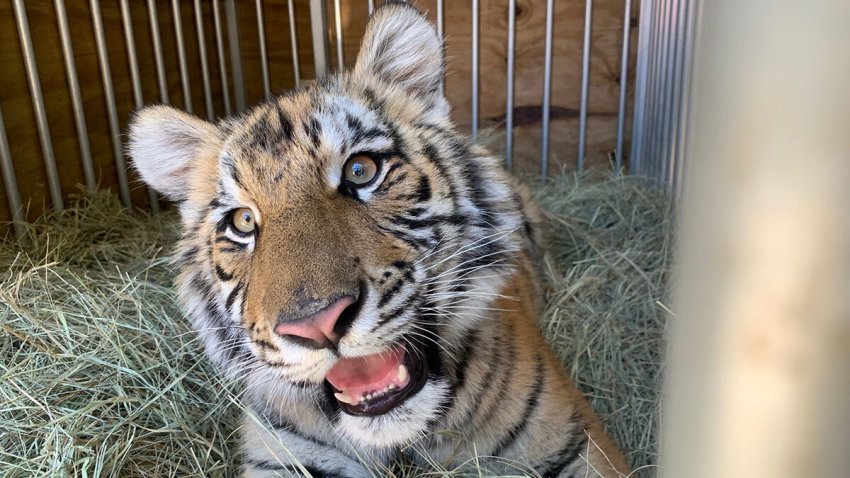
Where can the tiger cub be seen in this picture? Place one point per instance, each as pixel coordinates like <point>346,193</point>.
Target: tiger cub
<point>368,275</point>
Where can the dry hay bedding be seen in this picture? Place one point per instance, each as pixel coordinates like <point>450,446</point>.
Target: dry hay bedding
<point>101,376</point>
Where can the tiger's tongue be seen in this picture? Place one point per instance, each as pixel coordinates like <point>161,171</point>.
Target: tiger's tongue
<point>360,375</point>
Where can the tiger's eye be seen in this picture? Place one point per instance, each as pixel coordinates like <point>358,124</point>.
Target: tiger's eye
<point>243,220</point>
<point>360,170</point>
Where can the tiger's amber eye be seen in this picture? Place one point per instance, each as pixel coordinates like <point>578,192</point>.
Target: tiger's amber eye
<point>360,170</point>
<point>243,220</point>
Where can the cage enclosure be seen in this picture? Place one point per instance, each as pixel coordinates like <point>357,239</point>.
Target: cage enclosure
<point>568,85</point>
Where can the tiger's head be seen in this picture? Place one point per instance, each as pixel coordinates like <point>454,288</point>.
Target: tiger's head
<point>341,237</point>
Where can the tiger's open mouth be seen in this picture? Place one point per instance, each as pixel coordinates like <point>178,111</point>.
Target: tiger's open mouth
<point>375,384</point>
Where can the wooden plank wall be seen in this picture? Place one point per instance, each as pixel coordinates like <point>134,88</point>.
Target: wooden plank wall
<point>19,117</point>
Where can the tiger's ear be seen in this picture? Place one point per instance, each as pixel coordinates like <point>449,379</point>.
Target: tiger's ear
<point>400,46</point>
<point>165,145</point>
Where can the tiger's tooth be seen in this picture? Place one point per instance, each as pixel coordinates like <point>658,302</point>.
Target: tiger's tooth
<point>402,373</point>
<point>345,397</point>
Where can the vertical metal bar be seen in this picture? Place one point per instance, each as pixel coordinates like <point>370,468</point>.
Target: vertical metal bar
<point>235,46</point>
<point>371,6</point>
<point>109,95</point>
<point>132,59</point>
<point>264,56</point>
<point>10,183</point>
<point>658,104</point>
<point>222,63</point>
<point>636,157</point>
<point>672,91</point>
<point>685,117</point>
<point>624,85</point>
<point>441,34</point>
<point>663,99</point>
<point>475,61</point>
<point>655,90</point>
<point>547,89</point>
<point>678,44</point>
<point>293,39</point>
<point>650,87</point>
<point>585,84</point>
<point>319,32</point>
<point>509,100</point>
<point>202,52</point>
<point>340,54</point>
<point>181,55</point>
<point>76,98</point>
<point>157,52</point>
<point>38,106</point>
<point>669,47</point>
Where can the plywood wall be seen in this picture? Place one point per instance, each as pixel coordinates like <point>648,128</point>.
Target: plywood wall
<point>19,117</point>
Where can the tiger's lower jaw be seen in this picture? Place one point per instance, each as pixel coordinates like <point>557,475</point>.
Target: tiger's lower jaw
<point>374,385</point>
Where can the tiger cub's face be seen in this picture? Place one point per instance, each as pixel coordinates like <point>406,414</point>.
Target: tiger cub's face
<point>341,236</point>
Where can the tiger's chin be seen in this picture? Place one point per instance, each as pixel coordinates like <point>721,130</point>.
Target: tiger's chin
<point>390,398</point>
<point>406,422</point>
<point>374,385</point>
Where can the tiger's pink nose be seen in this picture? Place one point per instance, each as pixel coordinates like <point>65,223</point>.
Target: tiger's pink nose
<point>319,330</point>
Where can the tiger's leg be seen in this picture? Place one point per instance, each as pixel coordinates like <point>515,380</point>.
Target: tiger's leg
<point>515,402</point>
<point>280,452</point>
<point>578,446</point>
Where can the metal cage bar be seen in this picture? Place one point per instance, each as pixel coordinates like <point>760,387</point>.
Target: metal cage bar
<point>38,105</point>
<point>639,114</point>
<point>264,56</point>
<point>109,96</point>
<point>181,55</point>
<point>676,92</point>
<point>202,53</point>
<point>658,174</point>
<point>235,46</point>
<point>293,40</point>
<point>340,51</point>
<point>547,89</point>
<point>691,34</point>
<point>222,63</point>
<point>10,183</point>
<point>585,85</point>
<point>624,86</point>
<point>655,92</point>
<point>157,52</point>
<point>76,97</point>
<point>318,27</point>
<point>132,59</point>
<point>475,65</point>
<point>662,91</point>
<point>668,53</point>
<point>509,95</point>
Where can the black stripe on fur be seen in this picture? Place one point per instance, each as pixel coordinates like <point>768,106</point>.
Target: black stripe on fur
<point>576,440</point>
<point>531,402</point>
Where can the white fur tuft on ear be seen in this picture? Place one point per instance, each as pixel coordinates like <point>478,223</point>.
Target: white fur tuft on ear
<point>400,46</point>
<point>164,146</point>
